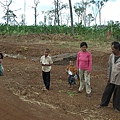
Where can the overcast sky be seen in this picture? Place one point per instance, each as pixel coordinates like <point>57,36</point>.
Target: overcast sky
<point>111,10</point>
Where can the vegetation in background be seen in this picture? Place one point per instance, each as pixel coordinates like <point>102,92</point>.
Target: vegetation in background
<point>112,30</point>
<point>56,14</point>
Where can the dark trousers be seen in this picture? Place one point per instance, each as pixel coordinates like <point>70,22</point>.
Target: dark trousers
<point>109,90</point>
<point>1,70</point>
<point>46,79</point>
<point>71,80</point>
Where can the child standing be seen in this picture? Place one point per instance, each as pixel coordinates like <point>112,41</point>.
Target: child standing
<point>71,71</point>
<point>84,66</point>
<point>46,62</point>
<point>1,67</point>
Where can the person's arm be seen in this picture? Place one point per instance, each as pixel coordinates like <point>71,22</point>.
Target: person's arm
<point>90,62</point>
<point>40,60</point>
<point>51,62</point>
<point>109,68</point>
<point>77,62</point>
<point>43,64</point>
<point>66,69</point>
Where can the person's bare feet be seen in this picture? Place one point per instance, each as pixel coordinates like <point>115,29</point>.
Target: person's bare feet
<point>117,110</point>
<point>69,86</point>
<point>99,106</point>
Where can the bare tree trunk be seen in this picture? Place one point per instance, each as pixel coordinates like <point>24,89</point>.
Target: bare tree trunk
<point>60,18</point>
<point>6,6</point>
<point>95,13</point>
<point>36,2</point>
<point>24,11</point>
<point>7,20</point>
<point>35,16</point>
<point>71,15</point>
<point>55,15</point>
<point>58,21</point>
<point>100,16</point>
<point>85,17</point>
<point>78,19</point>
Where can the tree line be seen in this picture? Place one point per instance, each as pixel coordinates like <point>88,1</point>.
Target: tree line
<point>55,15</point>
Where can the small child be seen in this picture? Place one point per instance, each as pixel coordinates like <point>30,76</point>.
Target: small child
<point>46,62</point>
<point>71,71</point>
<point>1,67</point>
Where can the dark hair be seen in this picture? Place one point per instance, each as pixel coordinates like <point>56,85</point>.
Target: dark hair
<point>83,44</point>
<point>1,56</point>
<point>116,45</point>
<point>47,49</point>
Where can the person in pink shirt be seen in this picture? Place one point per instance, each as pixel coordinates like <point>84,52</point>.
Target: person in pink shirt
<point>84,66</point>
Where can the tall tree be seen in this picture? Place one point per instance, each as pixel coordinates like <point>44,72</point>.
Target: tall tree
<point>71,16</point>
<point>57,11</point>
<point>11,17</point>
<point>55,20</point>
<point>22,22</point>
<point>99,4</point>
<point>79,9</point>
<point>85,4</point>
<point>95,14</point>
<point>7,11</point>
<point>59,6</point>
<point>23,16</point>
<point>36,2</point>
<point>89,18</point>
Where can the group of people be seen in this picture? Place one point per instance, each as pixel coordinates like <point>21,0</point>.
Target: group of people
<point>83,69</point>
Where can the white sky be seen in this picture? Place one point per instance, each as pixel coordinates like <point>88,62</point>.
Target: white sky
<point>111,10</point>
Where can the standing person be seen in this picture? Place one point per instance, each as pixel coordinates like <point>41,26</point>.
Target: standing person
<point>71,71</point>
<point>1,67</point>
<point>46,62</point>
<point>113,83</point>
<point>84,65</point>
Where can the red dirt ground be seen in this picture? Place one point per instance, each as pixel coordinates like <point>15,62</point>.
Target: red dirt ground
<point>21,97</point>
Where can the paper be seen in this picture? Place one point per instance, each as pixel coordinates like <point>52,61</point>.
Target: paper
<point>70,73</point>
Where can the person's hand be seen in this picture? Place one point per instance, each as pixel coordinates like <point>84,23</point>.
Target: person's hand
<point>66,71</point>
<point>44,64</point>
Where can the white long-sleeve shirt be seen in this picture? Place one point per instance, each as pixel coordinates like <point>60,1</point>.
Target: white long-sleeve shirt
<point>46,60</point>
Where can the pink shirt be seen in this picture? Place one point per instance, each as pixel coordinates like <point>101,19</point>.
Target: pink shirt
<point>84,61</point>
